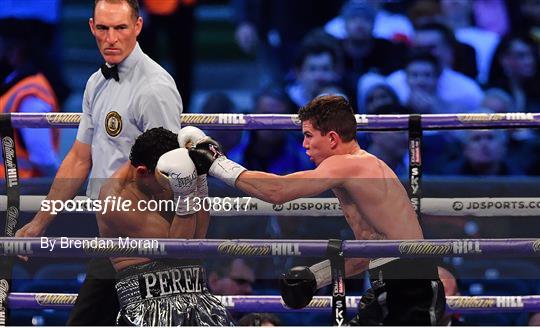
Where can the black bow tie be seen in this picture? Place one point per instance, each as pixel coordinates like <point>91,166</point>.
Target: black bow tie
<point>110,72</point>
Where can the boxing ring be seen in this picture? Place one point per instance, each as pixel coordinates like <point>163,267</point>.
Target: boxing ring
<point>336,250</point>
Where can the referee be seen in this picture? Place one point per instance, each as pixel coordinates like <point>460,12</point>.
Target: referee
<point>129,94</point>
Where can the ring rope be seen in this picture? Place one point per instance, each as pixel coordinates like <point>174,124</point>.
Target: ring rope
<point>199,248</point>
<point>481,207</point>
<point>320,304</point>
<point>291,122</point>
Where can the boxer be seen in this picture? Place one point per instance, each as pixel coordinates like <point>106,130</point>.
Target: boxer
<point>165,292</point>
<point>374,203</point>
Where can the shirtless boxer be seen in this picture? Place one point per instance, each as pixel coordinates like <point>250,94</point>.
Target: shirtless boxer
<point>164,292</point>
<point>374,202</point>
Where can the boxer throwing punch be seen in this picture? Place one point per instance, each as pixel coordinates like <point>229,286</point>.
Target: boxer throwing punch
<point>374,203</point>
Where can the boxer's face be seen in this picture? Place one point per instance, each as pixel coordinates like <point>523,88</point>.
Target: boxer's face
<point>115,29</point>
<point>318,147</point>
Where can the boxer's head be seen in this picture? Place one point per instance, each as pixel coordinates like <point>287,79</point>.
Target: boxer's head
<point>147,150</point>
<point>328,123</point>
<point>116,24</point>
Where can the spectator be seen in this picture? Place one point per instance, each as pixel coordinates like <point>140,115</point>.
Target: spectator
<point>43,19</point>
<point>423,74</point>
<point>498,100</point>
<point>260,320</point>
<point>26,90</point>
<point>458,14</point>
<point>484,152</point>
<point>175,21</point>
<point>515,69</point>
<point>419,11</point>
<point>388,24</point>
<point>362,52</point>
<point>391,147</point>
<point>374,92</point>
<point>440,40</point>
<point>219,102</point>
<point>452,87</point>
<point>274,29</point>
<point>234,277</point>
<point>526,21</point>
<point>315,67</point>
<point>492,15</point>
<point>258,148</point>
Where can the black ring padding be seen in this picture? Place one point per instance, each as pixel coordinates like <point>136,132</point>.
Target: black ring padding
<point>5,120</point>
<point>334,248</point>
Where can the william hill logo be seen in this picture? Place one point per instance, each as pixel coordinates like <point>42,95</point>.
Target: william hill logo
<point>424,248</point>
<point>55,299</point>
<point>470,302</point>
<point>223,119</point>
<point>232,248</point>
<point>536,245</point>
<point>286,249</point>
<point>63,118</point>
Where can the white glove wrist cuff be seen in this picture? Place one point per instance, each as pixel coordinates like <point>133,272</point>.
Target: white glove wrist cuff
<point>226,170</point>
<point>202,186</point>
<point>184,204</point>
<point>323,273</point>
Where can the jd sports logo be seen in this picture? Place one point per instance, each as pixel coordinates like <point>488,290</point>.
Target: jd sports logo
<point>457,206</point>
<point>277,207</point>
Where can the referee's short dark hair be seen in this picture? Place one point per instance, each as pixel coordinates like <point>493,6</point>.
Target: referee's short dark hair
<point>134,4</point>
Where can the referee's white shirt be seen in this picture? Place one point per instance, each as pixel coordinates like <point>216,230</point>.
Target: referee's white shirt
<point>116,113</point>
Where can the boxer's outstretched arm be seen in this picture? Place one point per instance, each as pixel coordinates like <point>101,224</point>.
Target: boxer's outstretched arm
<point>355,266</point>
<point>278,189</point>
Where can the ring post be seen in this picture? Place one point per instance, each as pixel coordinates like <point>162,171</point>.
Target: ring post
<point>415,162</point>
<point>337,262</point>
<point>11,218</point>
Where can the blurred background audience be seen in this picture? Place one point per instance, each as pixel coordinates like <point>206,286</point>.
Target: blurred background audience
<point>273,56</point>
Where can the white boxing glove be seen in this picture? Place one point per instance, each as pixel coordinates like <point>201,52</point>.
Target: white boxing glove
<point>189,135</point>
<point>202,186</point>
<point>176,170</point>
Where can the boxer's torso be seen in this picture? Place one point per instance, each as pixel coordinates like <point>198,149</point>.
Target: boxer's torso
<point>375,203</point>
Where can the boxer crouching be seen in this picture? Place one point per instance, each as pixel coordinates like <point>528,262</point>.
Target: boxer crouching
<point>169,292</point>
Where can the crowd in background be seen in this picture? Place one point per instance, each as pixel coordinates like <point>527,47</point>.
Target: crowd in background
<point>385,57</point>
<point>399,57</point>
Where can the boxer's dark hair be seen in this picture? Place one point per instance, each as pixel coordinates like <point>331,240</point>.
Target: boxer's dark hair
<point>330,113</point>
<point>150,145</point>
<point>134,4</point>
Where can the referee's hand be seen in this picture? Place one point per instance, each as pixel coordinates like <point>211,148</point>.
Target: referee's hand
<point>32,229</point>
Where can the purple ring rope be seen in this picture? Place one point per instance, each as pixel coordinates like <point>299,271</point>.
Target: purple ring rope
<point>290,122</point>
<point>198,248</point>
<point>319,304</point>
